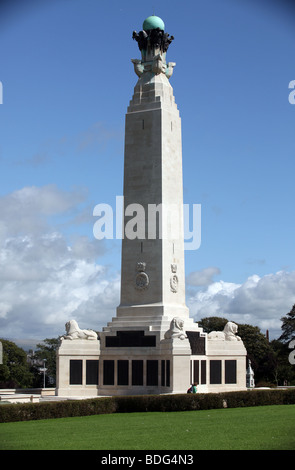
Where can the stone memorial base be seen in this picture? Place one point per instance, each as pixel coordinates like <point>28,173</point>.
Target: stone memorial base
<point>164,357</point>
<point>152,346</point>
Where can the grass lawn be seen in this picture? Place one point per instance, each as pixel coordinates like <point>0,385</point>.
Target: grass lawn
<point>261,428</point>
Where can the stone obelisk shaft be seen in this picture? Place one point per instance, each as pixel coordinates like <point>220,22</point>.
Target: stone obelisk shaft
<point>152,277</point>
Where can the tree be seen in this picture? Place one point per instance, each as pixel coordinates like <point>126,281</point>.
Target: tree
<point>282,369</point>
<point>212,324</point>
<point>259,351</point>
<point>288,326</point>
<point>47,351</point>
<point>15,371</point>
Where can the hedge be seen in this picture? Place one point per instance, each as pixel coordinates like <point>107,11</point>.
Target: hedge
<point>143,403</point>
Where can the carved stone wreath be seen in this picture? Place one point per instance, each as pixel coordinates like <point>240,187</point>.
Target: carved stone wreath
<point>141,280</point>
<point>174,283</point>
<point>174,279</point>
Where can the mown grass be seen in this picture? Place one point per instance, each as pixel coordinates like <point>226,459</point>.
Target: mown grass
<point>253,428</point>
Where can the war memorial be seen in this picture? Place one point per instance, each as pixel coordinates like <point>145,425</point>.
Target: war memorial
<point>152,345</point>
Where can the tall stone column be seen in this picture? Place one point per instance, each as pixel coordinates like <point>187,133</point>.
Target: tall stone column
<point>152,276</point>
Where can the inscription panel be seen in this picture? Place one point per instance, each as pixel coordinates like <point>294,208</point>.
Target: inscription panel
<point>137,372</point>
<point>130,339</point>
<point>123,372</point>
<point>76,372</point>
<point>108,372</point>
<point>92,372</point>
<point>196,371</point>
<point>203,372</point>
<point>215,372</point>
<point>197,343</point>
<point>230,371</point>
<point>152,372</point>
<point>168,373</point>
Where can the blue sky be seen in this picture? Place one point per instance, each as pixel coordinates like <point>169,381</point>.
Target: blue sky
<point>67,80</point>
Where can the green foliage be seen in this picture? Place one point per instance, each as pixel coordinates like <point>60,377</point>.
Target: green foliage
<point>282,370</point>
<point>46,350</point>
<point>288,326</point>
<point>144,403</point>
<point>212,324</point>
<point>259,398</point>
<point>259,351</point>
<point>15,371</point>
<point>59,409</point>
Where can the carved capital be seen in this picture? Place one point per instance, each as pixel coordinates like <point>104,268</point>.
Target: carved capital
<point>154,38</point>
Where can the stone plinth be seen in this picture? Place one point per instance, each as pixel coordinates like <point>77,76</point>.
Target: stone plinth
<point>77,363</point>
<point>226,359</point>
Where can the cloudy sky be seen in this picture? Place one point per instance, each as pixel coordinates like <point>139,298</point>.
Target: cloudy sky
<point>67,79</point>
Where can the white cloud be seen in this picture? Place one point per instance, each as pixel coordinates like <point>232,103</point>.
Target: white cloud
<point>259,301</point>
<point>45,279</point>
<point>44,284</point>
<point>98,136</point>
<point>26,211</point>
<point>203,277</point>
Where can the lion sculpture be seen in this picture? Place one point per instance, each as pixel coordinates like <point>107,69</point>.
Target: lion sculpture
<point>74,332</point>
<point>229,333</point>
<point>176,329</point>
